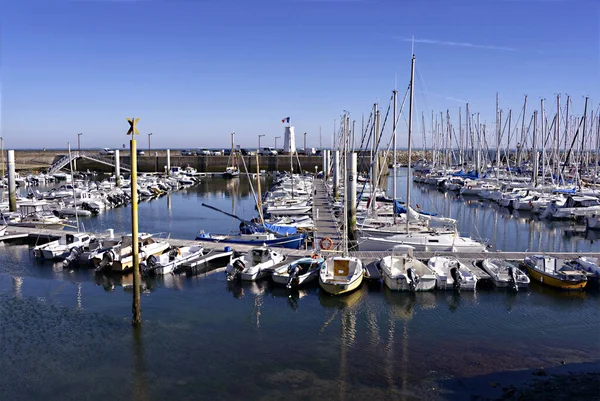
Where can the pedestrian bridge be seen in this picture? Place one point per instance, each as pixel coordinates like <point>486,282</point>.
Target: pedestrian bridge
<point>67,159</point>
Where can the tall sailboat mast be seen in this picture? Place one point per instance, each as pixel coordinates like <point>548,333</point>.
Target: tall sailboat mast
<point>410,126</point>
<point>394,160</point>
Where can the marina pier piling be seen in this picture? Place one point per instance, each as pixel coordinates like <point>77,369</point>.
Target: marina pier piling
<point>12,187</point>
<point>118,167</point>
<point>336,173</point>
<point>351,194</point>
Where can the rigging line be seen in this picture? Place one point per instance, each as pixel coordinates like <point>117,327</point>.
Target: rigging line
<point>372,121</point>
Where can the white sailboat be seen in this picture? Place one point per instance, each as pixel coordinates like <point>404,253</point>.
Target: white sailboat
<point>342,274</point>
<point>425,240</point>
<point>232,171</point>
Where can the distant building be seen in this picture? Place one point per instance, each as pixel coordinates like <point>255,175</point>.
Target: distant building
<point>289,140</point>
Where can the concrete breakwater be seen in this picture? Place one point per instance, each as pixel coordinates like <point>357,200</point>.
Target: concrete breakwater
<point>156,161</point>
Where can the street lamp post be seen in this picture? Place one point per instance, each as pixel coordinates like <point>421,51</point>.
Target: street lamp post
<point>305,151</point>
<point>149,135</point>
<point>259,141</point>
<point>277,137</point>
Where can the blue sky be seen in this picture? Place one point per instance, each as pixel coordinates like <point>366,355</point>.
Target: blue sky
<point>193,71</point>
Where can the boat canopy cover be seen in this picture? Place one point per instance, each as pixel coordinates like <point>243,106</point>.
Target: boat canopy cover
<point>564,191</point>
<point>401,209</point>
<point>470,174</point>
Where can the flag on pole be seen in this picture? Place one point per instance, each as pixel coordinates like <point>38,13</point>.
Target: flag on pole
<point>286,120</point>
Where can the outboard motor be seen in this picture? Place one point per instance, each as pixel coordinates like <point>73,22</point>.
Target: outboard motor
<point>412,278</point>
<point>237,268</point>
<point>173,253</point>
<point>293,271</point>
<point>457,277</point>
<point>513,278</point>
<point>107,260</point>
<point>73,256</point>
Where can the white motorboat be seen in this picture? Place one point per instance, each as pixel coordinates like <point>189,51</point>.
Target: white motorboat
<point>452,274</point>
<point>167,262</point>
<point>574,207</point>
<point>61,248</point>
<point>120,257</point>
<point>402,272</point>
<point>505,274</point>
<point>298,272</point>
<point>96,249</point>
<point>258,264</point>
<point>341,274</point>
<point>35,215</point>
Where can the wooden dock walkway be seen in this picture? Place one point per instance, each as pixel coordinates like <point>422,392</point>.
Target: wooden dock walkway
<point>323,217</point>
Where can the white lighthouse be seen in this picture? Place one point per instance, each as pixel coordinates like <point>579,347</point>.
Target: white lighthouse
<point>289,140</point>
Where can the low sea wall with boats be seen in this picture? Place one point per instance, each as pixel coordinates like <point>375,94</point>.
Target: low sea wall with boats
<point>156,161</point>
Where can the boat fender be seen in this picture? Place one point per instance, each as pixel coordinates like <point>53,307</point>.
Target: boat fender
<point>326,243</point>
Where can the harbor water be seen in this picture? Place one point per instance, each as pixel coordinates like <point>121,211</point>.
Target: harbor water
<point>66,333</point>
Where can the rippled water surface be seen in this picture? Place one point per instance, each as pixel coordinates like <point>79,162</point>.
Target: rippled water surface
<point>66,334</point>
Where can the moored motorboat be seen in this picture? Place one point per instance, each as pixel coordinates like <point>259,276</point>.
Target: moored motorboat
<point>298,272</point>
<point>61,248</point>
<point>555,272</point>
<point>167,262</point>
<point>402,272</point>
<point>452,274</point>
<point>505,274</point>
<point>256,265</point>
<point>341,274</point>
<point>120,257</point>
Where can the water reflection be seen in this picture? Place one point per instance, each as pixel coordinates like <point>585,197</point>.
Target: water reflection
<point>138,373</point>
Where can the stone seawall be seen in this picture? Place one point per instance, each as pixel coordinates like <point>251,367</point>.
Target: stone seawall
<point>155,161</point>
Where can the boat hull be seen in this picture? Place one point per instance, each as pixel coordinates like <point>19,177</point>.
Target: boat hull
<point>553,281</point>
<point>426,283</point>
<point>290,242</point>
<point>338,288</point>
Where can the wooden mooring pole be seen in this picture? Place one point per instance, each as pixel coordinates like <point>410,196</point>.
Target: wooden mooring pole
<point>136,307</point>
